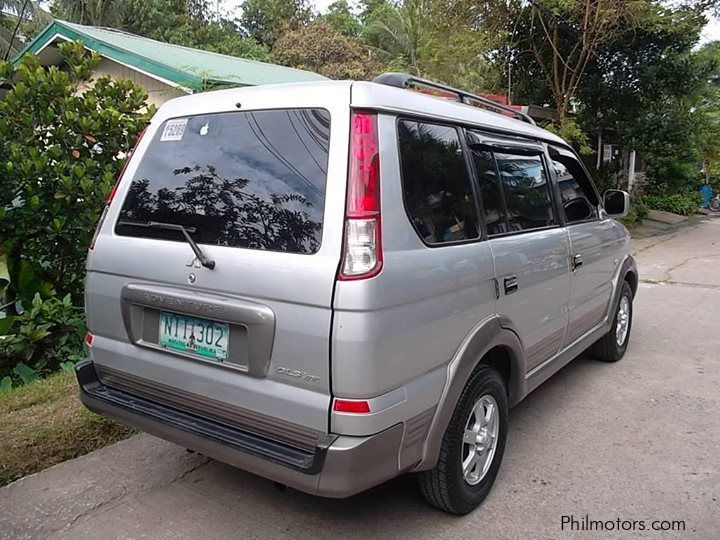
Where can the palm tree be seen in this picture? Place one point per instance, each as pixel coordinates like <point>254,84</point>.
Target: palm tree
<point>12,14</point>
<point>106,13</point>
<point>402,31</point>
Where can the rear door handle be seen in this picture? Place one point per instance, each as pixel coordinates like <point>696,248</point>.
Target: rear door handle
<point>576,261</point>
<point>511,284</point>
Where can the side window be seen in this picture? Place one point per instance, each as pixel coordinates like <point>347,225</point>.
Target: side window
<point>527,192</point>
<point>490,192</point>
<point>436,185</point>
<point>577,197</point>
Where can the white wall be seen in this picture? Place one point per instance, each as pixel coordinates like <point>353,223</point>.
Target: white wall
<point>158,91</point>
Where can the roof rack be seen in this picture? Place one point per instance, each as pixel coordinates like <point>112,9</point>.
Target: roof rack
<point>405,80</point>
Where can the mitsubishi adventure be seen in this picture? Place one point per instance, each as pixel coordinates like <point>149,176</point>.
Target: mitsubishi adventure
<point>331,284</point>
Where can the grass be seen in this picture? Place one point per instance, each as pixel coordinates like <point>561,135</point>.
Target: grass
<point>44,423</point>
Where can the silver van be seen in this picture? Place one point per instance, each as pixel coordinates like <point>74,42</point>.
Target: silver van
<point>331,284</point>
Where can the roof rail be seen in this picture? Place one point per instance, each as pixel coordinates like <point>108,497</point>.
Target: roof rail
<point>405,80</point>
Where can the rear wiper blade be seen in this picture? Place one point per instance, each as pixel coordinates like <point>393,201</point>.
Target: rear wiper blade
<point>207,263</point>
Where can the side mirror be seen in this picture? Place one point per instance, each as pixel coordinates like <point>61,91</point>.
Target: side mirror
<point>578,209</point>
<point>616,203</point>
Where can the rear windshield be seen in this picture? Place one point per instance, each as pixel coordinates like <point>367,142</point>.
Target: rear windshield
<point>242,179</point>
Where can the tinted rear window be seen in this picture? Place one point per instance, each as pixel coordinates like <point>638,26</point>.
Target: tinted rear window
<point>242,179</point>
<point>438,195</point>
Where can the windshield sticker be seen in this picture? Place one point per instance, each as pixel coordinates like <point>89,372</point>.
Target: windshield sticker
<point>174,130</point>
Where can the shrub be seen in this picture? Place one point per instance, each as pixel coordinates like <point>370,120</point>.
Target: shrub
<point>679,203</point>
<point>60,152</point>
<point>44,338</point>
<point>638,212</point>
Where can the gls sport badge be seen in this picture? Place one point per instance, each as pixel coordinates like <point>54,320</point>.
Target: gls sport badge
<point>304,375</point>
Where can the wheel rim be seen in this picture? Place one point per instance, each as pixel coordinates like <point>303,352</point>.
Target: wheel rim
<point>480,439</point>
<point>622,326</point>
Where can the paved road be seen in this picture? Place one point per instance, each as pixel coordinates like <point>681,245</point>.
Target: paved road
<point>635,440</point>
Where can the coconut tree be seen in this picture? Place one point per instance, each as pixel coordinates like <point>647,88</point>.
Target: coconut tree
<point>107,13</point>
<point>13,13</point>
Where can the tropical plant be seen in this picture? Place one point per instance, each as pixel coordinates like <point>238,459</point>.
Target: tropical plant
<point>265,20</point>
<point>46,337</point>
<point>13,14</point>
<point>60,152</point>
<point>341,18</point>
<point>107,13</point>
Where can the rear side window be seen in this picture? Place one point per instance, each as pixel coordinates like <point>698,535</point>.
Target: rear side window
<point>241,179</point>
<point>490,192</point>
<point>436,185</point>
<point>526,190</point>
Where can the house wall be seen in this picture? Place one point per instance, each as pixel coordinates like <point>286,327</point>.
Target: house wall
<point>158,91</point>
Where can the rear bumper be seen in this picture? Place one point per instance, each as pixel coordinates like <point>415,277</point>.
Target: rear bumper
<point>339,467</point>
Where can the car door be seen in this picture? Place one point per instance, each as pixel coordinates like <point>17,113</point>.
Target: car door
<point>591,244</point>
<point>530,248</point>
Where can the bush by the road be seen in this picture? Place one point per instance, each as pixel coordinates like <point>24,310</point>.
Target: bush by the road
<point>63,141</point>
<point>684,204</point>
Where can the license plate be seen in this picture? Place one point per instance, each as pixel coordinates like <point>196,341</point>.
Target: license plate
<point>194,335</point>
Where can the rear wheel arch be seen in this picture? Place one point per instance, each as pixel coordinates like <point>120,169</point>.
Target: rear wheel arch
<point>632,278</point>
<point>490,345</point>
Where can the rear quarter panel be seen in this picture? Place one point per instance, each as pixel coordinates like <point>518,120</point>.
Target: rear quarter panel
<point>411,318</point>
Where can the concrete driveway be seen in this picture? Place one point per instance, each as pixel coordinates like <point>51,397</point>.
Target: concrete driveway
<point>638,440</point>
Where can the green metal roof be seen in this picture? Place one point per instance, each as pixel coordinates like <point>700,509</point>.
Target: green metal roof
<point>190,68</point>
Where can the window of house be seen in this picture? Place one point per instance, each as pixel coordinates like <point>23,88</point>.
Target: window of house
<point>436,184</point>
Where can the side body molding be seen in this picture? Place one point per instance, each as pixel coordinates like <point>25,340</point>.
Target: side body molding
<point>488,334</point>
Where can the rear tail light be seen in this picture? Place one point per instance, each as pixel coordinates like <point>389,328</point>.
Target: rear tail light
<point>351,406</point>
<point>111,196</point>
<point>89,339</point>
<point>362,249</point>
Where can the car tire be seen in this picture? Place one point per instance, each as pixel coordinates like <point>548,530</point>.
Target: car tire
<point>612,346</point>
<point>453,485</point>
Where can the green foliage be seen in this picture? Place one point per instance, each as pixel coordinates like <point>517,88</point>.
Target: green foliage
<point>638,211</point>
<point>33,17</point>
<point>447,41</point>
<point>60,152</point>
<point>43,338</point>
<point>321,49</point>
<point>655,100</point>
<point>684,204</point>
<point>191,23</point>
<point>341,18</point>
<point>265,20</point>
<point>63,141</point>
<point>570,131</point>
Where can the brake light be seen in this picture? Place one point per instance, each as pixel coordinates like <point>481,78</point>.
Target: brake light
<point>89,339</point>
<point>111,196</point>
<point>362,250</point>
<point>351,406</point>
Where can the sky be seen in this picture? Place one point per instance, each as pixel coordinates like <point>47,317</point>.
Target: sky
<point>711,31</point>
